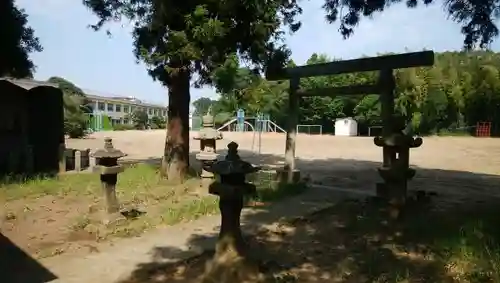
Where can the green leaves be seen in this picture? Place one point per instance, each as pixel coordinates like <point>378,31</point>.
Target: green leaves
<point>201,35</point>
<point>18,41</point>
<point>202,105</point>
<point>459,91</point>
<point>140,119</point>
<point>75,107</point>
<point>476,17</point>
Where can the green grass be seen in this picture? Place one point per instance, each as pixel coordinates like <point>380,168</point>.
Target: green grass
<point>470,245</point>
<point>190,211</point>
<point>454,133</point>
<point>139,186</point>
<point>269,190</point>
<point>140,178</point>
<point>452,243</point>
<point>136,182</point>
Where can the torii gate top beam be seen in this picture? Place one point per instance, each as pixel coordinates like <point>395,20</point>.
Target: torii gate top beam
<point>398,61</point>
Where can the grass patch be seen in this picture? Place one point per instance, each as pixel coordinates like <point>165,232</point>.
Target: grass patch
<point>270,190</point>
<point>467,240</point>
<point>438,243</point>
<point>455,133</point>
<point>192,210</point>
<point>73,203</point>
<point>357,241</point>
<point>138,178</point>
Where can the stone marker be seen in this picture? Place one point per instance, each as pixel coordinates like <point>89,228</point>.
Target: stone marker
<point>107,166</point>
<point>395,170</point>
<point>207,155</point>
<point>231,256</point>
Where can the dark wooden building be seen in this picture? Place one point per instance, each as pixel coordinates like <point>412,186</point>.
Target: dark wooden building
<point>31,127</point>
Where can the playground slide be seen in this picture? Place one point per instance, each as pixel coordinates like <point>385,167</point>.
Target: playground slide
<point>276,126</point>
<point>226,124</point>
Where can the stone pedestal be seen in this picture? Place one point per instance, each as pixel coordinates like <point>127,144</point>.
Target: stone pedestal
<point>207,159</point>
<point>108,169</point>
<point>207,155</point>
<point>231,262</point>
<point>395,170</point>
<point>282,175</point>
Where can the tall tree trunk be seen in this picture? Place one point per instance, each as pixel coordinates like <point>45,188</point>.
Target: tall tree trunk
<point>175,162</point>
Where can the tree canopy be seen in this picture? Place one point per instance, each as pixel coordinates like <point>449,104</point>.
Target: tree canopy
<point>179,41</point>
<point>461,89</point>
<point>198,36</point>
<point>18,41</point>
<point>140,119</point>
<point>477,17</point>
<point>202,105</point>
<point>75,106</point>
<point>182,40</point>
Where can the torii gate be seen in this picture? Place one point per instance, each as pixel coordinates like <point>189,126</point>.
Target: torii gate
<point>395,170</point>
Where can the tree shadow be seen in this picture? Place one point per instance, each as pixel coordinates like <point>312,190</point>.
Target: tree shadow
<point>16,266</point>
<point>359,175</point>
<point>351,237</point>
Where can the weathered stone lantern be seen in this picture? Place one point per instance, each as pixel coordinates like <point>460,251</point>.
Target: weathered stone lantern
<point>395,170</point>
<point>107,166</point>
<point>207,155</point>
<point>231,188</point>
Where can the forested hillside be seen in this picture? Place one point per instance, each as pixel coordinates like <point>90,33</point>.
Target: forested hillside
<point>461,89</point>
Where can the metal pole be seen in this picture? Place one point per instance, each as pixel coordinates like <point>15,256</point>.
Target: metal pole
<point>259,123</point>
<point>260,141</point>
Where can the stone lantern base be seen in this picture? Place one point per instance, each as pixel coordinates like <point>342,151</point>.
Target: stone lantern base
<point>207,178</point>
<point>232,261</point>
<point>282,175</point>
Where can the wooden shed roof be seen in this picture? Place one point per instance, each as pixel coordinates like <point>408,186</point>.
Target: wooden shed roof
<point>27,84</point>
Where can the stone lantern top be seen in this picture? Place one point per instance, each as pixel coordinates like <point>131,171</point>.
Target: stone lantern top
<point>399,135</point>
<point>207,132</point>
<point>108,151</point>
<point>232,164</point>
<point>207,120</point>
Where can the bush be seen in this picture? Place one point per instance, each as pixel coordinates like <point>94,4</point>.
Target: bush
<point>123,127</point>
<point>75,125</point>
<point>157,123</point>
<point>140,119</point>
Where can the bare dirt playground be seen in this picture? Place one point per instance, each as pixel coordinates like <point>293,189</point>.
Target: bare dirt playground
<point>462,166</point>
<point>337,161</point>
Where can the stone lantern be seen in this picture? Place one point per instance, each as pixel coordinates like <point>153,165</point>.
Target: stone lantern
<point>107,166</point>
<point>395,170</point>
<point>207,137</point>
<point>231,189</point>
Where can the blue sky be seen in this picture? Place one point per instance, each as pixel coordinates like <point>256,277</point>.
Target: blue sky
<point>105,65</point>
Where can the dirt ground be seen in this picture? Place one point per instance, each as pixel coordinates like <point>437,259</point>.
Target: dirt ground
<point>355,242</point>
<point>477,155</point>
<point>350,162</point>
<point>458,165</point>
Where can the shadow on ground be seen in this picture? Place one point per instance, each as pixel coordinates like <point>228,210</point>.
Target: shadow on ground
<point>16,266</point>
<point>362,175</point>
<point>354,239</point>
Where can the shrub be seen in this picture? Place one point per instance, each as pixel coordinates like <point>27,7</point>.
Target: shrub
<point>158,123</point>
<point>75,125</point>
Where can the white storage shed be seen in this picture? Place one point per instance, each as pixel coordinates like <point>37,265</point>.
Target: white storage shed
<point>346,127</point>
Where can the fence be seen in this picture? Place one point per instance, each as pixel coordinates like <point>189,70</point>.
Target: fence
<point>310,129</point>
